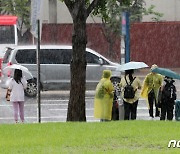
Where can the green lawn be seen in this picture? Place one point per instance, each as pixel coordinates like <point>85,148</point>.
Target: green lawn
<point>79,137</point>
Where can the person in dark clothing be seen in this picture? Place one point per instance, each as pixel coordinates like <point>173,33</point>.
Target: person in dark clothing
<point>168,98</point>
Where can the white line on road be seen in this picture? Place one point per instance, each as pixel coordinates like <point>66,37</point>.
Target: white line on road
<point>89,109</point>
<point>140,108</point>
<point>36,105</point>
<point>55,100</point>
<point>53,104</point>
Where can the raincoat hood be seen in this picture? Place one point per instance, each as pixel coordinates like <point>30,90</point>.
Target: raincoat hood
<point>106,74</point>
<point>153,66</point>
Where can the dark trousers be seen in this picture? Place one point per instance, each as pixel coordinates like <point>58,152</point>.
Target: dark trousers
<point>167,107</point>
<point>130,110</point>
<point>151,100</point>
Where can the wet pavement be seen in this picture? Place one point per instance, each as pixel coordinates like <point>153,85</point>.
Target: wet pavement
<point>54,105</point>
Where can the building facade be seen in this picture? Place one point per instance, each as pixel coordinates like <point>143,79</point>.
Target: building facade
<point>169,8</point>
<point>56,11</point>
<point>151,42</point>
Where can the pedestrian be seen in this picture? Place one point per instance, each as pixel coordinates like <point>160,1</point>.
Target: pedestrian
<point>129,86</point>
<point>104,98</point>
<point>168,98</point>
<point>17,85</point>
<point>150,90</point>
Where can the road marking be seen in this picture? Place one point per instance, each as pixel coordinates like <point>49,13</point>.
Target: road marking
<point>55,100</point>
<point>36,105</point>
<point>88,109</point>
<point>53,104</point>
<point>57,109</point>
<point>61,100</point>
<point>140,108</point>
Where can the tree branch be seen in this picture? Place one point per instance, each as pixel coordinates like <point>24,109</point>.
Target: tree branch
<point>92,6</point>
<point>69,4</point>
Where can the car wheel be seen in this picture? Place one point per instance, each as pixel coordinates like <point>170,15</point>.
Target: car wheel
<point>115,81</point>
<point>31,90</point>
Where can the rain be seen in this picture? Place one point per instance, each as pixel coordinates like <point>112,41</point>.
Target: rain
<point>95,75</point>
<point>153,39</point>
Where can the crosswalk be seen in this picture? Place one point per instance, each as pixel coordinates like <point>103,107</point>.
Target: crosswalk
<point>55,110</point>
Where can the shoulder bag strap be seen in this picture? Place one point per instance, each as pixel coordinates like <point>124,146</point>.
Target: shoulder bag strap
<point>126,80</point>
<point>132,80</point>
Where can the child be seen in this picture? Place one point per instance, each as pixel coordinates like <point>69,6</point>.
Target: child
<point>168,99</point>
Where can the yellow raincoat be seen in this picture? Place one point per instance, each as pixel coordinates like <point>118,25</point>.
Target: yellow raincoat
<point>104,97</point>
<point>151,81</point>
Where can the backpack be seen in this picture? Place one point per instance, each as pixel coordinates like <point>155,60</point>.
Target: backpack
<point>169,91</point>
<point>129,91</point>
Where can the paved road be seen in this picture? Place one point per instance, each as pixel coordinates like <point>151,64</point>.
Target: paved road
<point>54,107</point>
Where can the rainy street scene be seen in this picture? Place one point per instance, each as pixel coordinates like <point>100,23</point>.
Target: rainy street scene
<point>89,76</point>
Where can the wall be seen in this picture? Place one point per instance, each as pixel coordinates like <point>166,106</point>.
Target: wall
<point>156,43</point>
<point>151,42</point>
<point>62,34</point>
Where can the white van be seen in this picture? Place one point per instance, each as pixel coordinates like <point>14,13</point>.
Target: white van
<point>55,67</point>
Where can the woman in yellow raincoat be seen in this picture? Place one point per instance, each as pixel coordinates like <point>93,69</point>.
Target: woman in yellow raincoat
<point>104,97</point>
<point>150,90</point>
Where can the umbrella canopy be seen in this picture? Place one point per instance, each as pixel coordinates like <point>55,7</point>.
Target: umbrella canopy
<point>166,72</point>
<point>132,65</point>
<point>11,68</point>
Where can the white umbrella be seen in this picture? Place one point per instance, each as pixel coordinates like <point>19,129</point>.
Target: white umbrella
<point>25,72</point>
<point>132,65</point>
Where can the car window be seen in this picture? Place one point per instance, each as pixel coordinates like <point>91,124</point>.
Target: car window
<point>55,56</point>
<point>105,62</point>
<point>26,56</point>
<point>7,55</point>
<point>50,56</point>
<point>91,58</point>
<point>66,56</point>
<point>7,34</point>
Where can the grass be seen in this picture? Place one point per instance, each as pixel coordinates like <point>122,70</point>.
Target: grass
<point>79,137</point>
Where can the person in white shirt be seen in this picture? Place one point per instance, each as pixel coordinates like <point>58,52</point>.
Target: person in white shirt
<point>17,85</point>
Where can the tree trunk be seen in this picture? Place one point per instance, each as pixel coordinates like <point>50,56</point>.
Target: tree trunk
<point>76,107</point>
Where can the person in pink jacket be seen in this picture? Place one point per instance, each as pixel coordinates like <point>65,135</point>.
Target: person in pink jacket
<point>17,85</point>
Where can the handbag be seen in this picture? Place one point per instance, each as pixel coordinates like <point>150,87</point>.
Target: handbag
<point>8,93</point>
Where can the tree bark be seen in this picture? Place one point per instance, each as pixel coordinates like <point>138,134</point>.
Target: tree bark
<point>76,106</point>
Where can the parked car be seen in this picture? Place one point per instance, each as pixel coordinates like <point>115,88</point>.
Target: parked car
<point>55,67</point>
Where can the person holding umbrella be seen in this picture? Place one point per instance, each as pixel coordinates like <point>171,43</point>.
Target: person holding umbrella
<point>150,90</point>
<point>168,95</point>
<point>129,86</point>
<point>17,85</point>
<point>168,98</point>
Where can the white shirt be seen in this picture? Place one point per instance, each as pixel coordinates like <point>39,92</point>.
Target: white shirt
<point>17,90</point>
